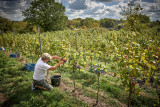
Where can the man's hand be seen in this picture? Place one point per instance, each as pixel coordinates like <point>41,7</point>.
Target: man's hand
<point>57,57</point>
<point>64,59</point>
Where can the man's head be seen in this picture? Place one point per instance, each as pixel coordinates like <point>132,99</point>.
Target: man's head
<point>46,57</point>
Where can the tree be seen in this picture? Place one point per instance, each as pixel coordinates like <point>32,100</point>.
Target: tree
<point>144,19</point>
<point>70,23</point>
<point>102,22</point>
<point>77,22</point>
<point>107,23</point>
<point>5,24</point>
<point>134,18</point>
<point>95,25</point>
<point>88,22</point>
<point>47,14</point>
<point>19,26</point>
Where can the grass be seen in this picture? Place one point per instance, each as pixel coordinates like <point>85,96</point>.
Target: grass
<point>16,84</point>
<point>112,89</point>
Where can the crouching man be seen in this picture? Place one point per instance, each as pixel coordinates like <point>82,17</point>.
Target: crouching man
<point>41,69</point>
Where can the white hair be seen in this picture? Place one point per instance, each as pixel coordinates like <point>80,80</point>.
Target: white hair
<point>46,56</point>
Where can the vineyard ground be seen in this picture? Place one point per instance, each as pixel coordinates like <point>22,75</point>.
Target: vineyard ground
<point>83,93</point>
<point>65,88</point>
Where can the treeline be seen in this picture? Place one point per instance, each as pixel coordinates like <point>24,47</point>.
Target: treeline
<point>7,25</point>
<point>91,23</point>
<point>24,26</point>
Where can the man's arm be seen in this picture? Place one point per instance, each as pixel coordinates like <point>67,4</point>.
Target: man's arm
<point>56,57</point>
<point>60,58</point>
<point>53,68</point>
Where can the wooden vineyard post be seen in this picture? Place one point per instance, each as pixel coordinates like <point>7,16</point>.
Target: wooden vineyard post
<point>76,38</point>
<point>39,41</point>
<point>61,69</point>
<point>159,98</point>
<point>14,40</point>
<point>98,75</point>
<point>91,59</point>
<point>32,54</point>
<point>74,77</point>
<point>74,71</point>
<point>130,92</point>
<point>105,59</point>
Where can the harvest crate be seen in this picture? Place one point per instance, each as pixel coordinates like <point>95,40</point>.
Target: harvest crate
<point>30,66</point>
<point>16,55</point>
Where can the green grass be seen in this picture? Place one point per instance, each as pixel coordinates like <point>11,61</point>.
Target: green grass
<point>112,89</point>
<point>16,84</point>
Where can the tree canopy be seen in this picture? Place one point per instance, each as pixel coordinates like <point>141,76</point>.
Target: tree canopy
<point>5,24</point>
<point>134,18</point>
<point>47,14</point>
<point>107,23</point>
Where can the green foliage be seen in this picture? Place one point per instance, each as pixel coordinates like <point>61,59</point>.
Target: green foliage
<point>71,27</point>
<point>114,91</point>
<point>47,14</point>
<point>128,56</point>
<point>107,23</point>
<point>86,78</point>
<point>144,18</point>
<point>155,24</point>
<point>20,26</point>
<point>5,24</point>
<point>134,18</point>
<point>87,22</point>
<point>141,101</point>
<point>70,23</point>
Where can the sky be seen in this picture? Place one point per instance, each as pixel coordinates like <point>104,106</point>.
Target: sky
<point>97,9</point>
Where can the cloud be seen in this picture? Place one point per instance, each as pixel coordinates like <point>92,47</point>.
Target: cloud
<point>105,0</point>
<point>78,4</point>
<point>97,10</point>
<point>134,2</point>
<point>12,9</point>
<point>151,9</point>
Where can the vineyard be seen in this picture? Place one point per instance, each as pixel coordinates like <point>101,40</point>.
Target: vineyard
<point>116,68</point>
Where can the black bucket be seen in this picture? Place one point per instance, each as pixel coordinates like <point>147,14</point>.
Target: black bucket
<point>56,80</point>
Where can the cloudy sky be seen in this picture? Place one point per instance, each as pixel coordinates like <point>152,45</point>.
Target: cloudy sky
<point>97,9</point>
